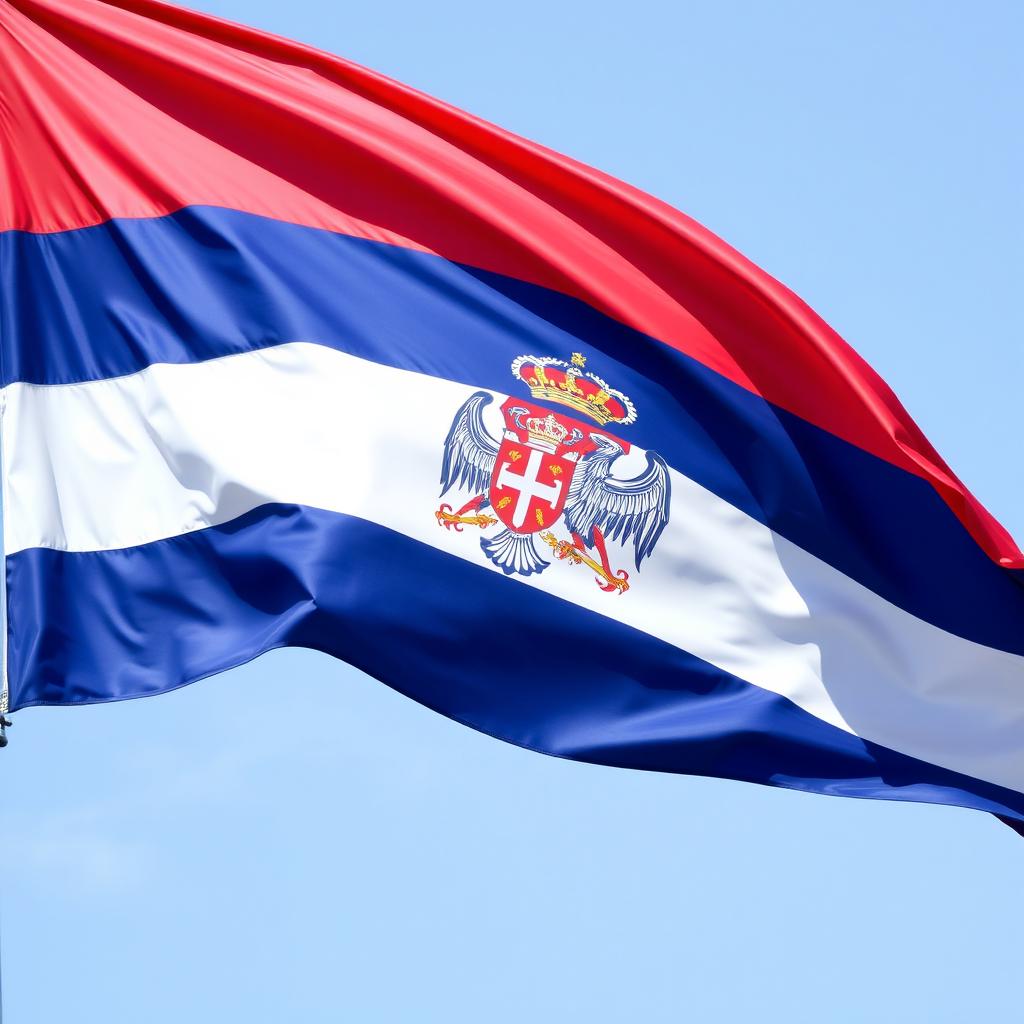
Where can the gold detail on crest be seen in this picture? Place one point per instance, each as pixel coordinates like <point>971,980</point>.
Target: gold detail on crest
<point>547,433</point>
<point>556,470</point>
<point>514,455</point>
<point>568,383</point>
<point>567,551</point>
<point>449,519</point>
<point>505,502</point>
<point>540,517</point>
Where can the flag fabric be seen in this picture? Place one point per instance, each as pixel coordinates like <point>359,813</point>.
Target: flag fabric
<point>293,354</point>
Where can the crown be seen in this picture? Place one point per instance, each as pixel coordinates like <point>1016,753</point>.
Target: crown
<point>546,433</point>
<point>567,384</point>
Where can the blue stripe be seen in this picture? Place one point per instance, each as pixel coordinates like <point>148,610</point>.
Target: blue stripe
<point>109,300</point>
<point>118,624</point>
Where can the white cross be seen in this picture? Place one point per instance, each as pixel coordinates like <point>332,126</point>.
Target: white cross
<point>528,486</point>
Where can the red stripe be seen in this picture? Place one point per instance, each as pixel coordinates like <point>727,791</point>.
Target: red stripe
<point>136,108</point>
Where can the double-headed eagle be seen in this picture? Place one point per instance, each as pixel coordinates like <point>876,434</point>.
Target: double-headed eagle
<point>598,506</point>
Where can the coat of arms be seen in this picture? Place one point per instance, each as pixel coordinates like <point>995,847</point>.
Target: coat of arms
<point>548,468</point>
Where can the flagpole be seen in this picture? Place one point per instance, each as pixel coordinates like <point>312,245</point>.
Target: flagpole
<point>4,683</point>
<point>4,689</point>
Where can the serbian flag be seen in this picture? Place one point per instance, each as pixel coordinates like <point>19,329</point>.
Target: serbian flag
<point>293,354</point>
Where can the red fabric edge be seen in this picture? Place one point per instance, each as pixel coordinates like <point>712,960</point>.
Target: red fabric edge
<point>504,204</point>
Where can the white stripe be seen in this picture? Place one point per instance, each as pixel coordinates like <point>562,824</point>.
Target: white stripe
<point>121,462</point>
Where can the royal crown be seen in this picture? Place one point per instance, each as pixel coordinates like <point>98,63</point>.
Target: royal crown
<point>558,381</point>
<point>547,432</point>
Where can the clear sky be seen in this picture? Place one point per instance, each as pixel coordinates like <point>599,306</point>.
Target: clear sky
<point>291,841</point>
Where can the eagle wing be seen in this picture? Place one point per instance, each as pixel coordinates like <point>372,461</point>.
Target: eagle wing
<point>469,450</point>
<point>620,509</point>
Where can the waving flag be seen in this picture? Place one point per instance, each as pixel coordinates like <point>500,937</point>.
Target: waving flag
<point>295,355</point>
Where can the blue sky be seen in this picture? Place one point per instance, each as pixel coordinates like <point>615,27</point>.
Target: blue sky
<point>293,841</point>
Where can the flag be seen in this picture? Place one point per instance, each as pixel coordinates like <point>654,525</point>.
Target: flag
<point>293,354</point>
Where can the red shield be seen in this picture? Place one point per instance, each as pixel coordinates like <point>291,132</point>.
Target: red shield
<point>539,453</point>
